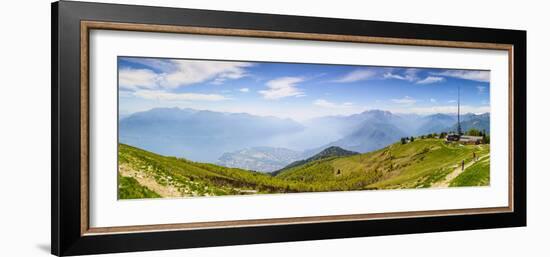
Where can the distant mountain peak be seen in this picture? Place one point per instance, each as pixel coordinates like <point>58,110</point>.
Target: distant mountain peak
<point>439,115</point>
<point>377,111</point>
<point>334,148</point>
<point>332,151</point>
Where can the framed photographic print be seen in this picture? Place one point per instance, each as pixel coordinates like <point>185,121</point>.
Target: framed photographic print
<point>178,128</point>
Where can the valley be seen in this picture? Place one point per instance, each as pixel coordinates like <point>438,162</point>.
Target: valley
<point>266,144</point>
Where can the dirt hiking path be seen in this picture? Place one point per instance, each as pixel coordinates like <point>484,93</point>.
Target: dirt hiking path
<point>456,172</point>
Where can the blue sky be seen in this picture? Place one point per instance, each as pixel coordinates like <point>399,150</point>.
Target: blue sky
<point>297,91</point>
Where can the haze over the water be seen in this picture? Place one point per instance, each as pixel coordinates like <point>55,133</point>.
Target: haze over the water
<point>297,91</point>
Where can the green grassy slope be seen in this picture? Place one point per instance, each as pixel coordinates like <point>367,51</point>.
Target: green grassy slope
<point>412,165</point>
<point>192,178</point>
<point>475,175</point>
<point>129,188</point>
<point>333,151</point>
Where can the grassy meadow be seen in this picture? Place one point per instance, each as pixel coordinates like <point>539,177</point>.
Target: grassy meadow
<point>423,163</point>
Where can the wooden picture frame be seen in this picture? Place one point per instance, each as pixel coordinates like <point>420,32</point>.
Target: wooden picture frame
<point>71,25</point>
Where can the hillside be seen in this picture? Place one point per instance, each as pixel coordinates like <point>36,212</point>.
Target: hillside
<point>421,163</point>
<point>413,165</point>
<point>333,151</point>
<point>145,174</point>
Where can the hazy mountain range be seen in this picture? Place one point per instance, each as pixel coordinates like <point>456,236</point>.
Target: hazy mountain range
<point>269,143</point>
<point>199,135</point>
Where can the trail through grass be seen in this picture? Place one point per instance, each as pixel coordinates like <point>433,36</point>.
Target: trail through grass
<point>419,164</point>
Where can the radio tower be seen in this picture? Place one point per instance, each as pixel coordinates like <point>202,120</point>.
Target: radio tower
<point>459,130</point>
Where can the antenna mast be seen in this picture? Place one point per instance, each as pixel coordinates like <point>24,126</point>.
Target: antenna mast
<point>459,130</point>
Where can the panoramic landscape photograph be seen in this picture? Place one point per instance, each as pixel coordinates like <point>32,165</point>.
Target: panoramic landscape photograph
<point>192,128</point>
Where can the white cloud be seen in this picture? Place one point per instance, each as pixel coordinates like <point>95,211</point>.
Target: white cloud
<point>432,100</point>
<point>190,72</point>
<point>407,100</point>
<point>137,78</point>
<point>164,65</point>
<point>481,76</point>
<point>409,75</point>
<point>167,96</point>
<point>179,73</point>
<point>173,74</point>
<point>389,75</point>
<point>356,75</point>
<point>430,80</point>
<point>282,87</point>
<point>327,104</point>
<point>451,101</point>
<point>244,90</point>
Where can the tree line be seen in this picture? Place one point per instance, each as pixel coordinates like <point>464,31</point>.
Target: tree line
<point>486,139</point>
